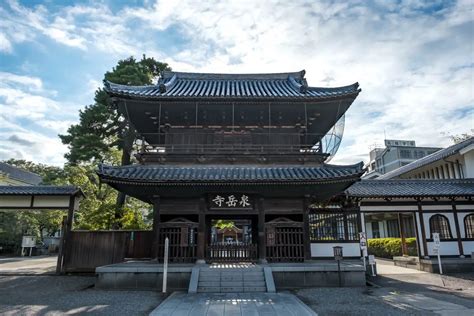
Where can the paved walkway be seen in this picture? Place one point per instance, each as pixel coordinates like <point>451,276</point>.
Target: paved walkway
<point>230,304</point>
<point>28,265</point>
<point>424,292</point>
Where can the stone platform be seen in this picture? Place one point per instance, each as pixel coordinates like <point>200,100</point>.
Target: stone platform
<point>143,275</point>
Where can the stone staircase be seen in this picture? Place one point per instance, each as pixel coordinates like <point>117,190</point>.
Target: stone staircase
<point>231,280</point>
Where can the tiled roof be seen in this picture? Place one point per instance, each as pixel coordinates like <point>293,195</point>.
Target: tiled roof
<point>20,174</point>
<point>441,154</point>
<point>38,190</point>
<point>411,188</point>
<point>227,173</point>
<point>203,85</point>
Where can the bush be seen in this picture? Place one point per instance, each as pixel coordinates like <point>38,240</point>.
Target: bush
<point>390,247</point>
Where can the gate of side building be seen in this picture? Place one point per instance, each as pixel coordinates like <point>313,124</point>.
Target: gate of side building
<point>285,241</point>
<point>182,235</point>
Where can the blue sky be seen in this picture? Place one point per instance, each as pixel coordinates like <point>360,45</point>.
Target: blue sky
<point>413,59</point>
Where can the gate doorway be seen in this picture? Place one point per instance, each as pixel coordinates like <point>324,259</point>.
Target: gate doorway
<point>232,239</point>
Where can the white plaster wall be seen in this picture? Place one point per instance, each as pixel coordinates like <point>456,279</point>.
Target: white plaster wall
<point>448,248</point>
<point>465,207</point>
<point>325,249</point>
<point>394,208</point>
<point>449,216</point>
<point>15,201</point>
<point>469,164</point>
<point>468,247</point>
<point>51,201</point>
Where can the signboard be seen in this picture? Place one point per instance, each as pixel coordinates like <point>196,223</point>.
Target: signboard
<point>28,241</point>
<point>436,240</point>
<point>436,246</point>
<point>230,201</point>
<point>371,259</point>
<point>338,255</point>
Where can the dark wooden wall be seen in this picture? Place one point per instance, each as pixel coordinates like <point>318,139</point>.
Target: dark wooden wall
<point>90,249</point>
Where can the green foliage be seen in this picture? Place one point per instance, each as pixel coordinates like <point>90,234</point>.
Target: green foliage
<point>390,247</point>
<point>222,223</point>
<point>101,127</point>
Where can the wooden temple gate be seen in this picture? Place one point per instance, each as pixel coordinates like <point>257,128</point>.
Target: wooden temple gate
<point>284,240</point>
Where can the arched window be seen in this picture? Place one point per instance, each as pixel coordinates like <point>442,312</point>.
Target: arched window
<point>440,224</point>
<point>469,225</point>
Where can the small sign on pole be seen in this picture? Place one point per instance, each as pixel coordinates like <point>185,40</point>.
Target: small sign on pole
<point>372,263</point>
<point>436,249</point>
<point>338,255</point>
<point>165,264</point>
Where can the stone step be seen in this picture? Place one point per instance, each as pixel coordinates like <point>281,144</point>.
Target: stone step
<point>255,289</point>
<point>254,277</point>
<point>206,283</point>
<point>232,289</point>
<point>232,283</point>
<point>209,289</point>
<point>255,283</point>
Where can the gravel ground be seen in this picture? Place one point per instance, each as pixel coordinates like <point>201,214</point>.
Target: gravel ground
<point>349,301</point>
<point>58,295</point>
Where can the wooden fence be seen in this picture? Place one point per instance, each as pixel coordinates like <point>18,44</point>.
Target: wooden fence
<point>90,249</point>
<point>220,252</point>
<point>285,244</point>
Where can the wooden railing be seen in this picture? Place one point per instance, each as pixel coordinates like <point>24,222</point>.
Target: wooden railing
<point>221,252</point>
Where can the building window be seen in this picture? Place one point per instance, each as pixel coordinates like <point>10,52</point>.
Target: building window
<point>404,153</point>
<point>333,226</point>
<point>440,224</point>
<point>469,225</point>
<point>375,229</point>
<point>393,229</point>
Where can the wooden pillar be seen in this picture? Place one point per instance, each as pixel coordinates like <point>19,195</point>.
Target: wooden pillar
<point>201,235</point>
<point>422,227</point>
<point>59,263</point>
<point>156,227</point>
<point>417,235</point>
<point>402,234</point>
<point>262,241</point>
<point>458,230</point>
<point>67,236</point>
<point>307,242</point>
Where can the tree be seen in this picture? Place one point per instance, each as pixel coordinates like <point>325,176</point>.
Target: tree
<point>101,128</point>
<point>462,137</point>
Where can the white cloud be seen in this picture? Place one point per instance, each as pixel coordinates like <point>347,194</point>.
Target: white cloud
<point>414,62</point>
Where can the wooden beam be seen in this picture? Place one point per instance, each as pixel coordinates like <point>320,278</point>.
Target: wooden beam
<point>458,230</point>
<point>422,227</point>
<point>262,241</point>
<point>306,239</point>
<point>67,245</point>
<point>201,235</point>
<point>156,227</point>
<point>402,234</point>
<point>59,263</point>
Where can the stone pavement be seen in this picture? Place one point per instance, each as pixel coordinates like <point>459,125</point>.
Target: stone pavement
<point>406,288</point>
<point>28,265</point>
<point>220,304</point>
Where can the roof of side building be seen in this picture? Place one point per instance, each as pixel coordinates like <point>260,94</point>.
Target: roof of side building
<point>20,174</point>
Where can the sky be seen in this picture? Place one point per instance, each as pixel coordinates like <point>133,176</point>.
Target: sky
<point>413,60</point>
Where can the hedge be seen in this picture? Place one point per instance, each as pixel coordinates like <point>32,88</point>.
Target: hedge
<point>390,247</point>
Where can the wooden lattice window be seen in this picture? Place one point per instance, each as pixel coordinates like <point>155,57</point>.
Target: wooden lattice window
<point>440,224</point>
<point>333,226</point>
<point>469,225</point>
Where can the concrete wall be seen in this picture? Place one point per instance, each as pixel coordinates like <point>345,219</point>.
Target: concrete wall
<point>177,281</point>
